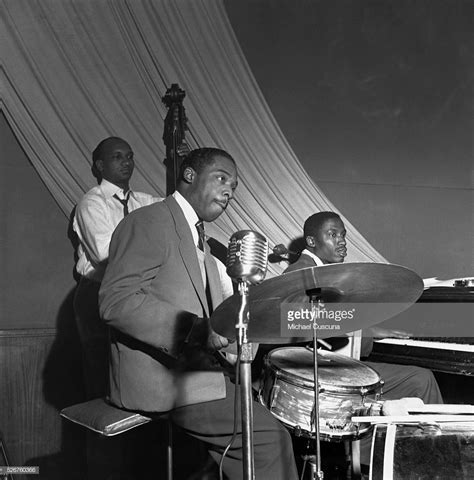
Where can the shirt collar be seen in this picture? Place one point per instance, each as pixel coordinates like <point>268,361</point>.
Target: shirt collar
<point>317,260</point>
<point>189,213</point>
<point>109,189</point>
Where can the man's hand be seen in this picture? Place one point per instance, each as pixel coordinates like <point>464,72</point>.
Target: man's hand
<point>380,332</point>
<point>216,342</point>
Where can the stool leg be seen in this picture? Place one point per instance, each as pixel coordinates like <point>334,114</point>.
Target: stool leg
<point>169,451</point>
<point>3,449</point>
<point>356,469</point>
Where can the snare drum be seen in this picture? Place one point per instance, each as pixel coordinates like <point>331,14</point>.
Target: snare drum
<point>287,390</point>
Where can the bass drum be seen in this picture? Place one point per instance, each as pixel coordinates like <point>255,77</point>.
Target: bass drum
<point>347,388</point>
<point>425,451</point>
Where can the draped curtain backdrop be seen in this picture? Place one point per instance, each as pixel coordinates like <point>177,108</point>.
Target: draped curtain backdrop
<point>76,71</point>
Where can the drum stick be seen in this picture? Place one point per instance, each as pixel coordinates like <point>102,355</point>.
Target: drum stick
<point>413,419</point>
<point>324,344</point>
<point>442,408</point>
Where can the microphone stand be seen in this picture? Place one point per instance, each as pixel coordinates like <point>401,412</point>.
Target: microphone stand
<point>244,349</point>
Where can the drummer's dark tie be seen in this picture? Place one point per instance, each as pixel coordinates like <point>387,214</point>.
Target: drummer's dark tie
<point>124,202</point>
<point>200,230</point>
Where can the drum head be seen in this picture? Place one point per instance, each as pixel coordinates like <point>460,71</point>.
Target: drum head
<point>336,372</point>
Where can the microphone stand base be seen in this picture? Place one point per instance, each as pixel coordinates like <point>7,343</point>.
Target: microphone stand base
<point>311,460</point>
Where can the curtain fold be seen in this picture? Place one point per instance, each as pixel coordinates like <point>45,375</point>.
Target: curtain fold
<point>74,72</point>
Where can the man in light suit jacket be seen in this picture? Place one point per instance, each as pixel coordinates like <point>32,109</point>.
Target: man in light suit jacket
<point>159,289</point>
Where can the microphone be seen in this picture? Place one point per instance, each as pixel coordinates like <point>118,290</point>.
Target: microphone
<point>247,257</point>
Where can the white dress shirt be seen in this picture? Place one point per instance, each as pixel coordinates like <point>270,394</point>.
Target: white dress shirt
<point>97,215</point>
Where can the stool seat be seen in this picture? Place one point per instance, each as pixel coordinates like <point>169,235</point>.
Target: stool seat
<point>102,417</point>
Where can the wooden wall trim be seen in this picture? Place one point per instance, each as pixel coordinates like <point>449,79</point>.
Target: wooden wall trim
<point>28,332</point>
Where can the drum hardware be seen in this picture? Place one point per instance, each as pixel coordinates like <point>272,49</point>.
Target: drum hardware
<point>412,419</point>
<point>351,462</point>
<point>274,395</point>
<point>317,304</point>
<point>430,428</point>
<point>464,282</point>
<point>314,465</point>
<point>245,379</point>
<point>298,431</point>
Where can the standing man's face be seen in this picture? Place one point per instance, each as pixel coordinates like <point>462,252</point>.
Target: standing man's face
<point>116,163</point>
<point>329,242</point>
<point>212,188</point>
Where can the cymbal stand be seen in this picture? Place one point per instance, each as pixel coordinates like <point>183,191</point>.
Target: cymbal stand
<point>244,349</point>
<point>316,305</point>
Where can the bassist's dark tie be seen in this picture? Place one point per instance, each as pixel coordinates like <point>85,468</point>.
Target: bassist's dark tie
<point>124,202</point>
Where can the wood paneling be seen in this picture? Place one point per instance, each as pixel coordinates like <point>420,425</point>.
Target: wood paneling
<point>40,374</point>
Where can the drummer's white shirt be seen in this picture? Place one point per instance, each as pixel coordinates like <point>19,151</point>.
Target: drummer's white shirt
<point>318,261</point>
<point>366,341</point>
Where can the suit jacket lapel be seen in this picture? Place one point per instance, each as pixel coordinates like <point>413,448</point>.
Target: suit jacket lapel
<point>187,250</point>
<point>305,261</point>
<point>308,261</point>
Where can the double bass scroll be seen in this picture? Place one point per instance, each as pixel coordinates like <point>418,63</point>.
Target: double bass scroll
<point>174,135</point>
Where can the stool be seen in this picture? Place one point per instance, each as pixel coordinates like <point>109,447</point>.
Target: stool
<point>6,461</point>
<point>100,416</point>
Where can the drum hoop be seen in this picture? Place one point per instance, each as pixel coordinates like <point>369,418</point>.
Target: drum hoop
<point>297,380</point>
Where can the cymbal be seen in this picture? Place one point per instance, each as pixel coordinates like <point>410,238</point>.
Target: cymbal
<point>376,291</point>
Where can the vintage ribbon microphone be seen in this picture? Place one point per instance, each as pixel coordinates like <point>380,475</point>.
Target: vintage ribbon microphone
<point>246,263</point>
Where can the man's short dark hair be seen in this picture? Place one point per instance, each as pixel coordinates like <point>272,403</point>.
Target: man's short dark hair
<point>200,157</point>
<point>314,223</point>
<point>99,151</point>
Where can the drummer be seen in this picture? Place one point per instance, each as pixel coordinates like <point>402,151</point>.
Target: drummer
<point>325,239</point>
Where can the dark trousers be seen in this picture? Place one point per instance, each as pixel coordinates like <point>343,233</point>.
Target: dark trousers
<point>213,423</point>
<point>407,381</point>
<point>94,338</point>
